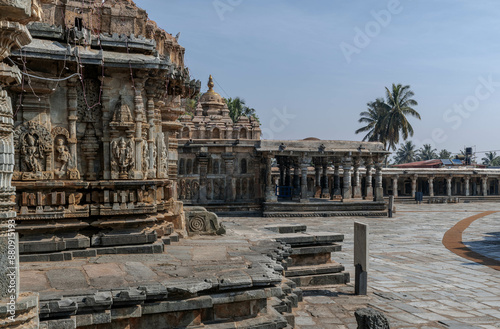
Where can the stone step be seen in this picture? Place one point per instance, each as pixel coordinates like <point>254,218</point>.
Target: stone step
<point>304,239</point>
<point>313,270</point>
<point>154,248</point>
<point>318,249</point>
<point>286,228</point>
<point>123,239</point>
<point>174,237</point>
<point>321,279</point>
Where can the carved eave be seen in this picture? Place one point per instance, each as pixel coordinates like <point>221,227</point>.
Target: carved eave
<point>13,35</point>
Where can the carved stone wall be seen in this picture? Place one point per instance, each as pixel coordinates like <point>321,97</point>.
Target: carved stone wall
<point>95,131</point>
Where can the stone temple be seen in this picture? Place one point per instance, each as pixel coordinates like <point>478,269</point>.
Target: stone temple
<point>102,171</point>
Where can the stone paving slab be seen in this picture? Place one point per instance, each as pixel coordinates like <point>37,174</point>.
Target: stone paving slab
<point>413,278</point>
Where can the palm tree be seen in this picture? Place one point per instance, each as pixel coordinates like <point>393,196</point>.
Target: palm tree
<point>400,102</point>
<point>406,153</point>
<point>387,119</point>
<point>426,152</point>
<point>373,118</point>
<point>237,107</point>
<point>444,154</point>
<point>489,158</point>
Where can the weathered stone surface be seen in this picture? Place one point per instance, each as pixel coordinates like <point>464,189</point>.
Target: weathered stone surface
<point>286,228</point>
<point>200,221</point>
<point>369,318</point>
<point>173,306</point>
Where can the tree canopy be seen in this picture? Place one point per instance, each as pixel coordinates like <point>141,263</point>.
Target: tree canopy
<point>387,119</point>
<point>237,107</point>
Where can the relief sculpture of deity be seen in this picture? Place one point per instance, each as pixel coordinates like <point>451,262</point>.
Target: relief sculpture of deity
<point>32,152</point>
<point>123,157</point>
<point>64,156</point>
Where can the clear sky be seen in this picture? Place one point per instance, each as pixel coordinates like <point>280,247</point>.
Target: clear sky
<point>310,67</point>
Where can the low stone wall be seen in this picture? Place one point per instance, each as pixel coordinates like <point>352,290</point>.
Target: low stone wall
<point>324,209</point>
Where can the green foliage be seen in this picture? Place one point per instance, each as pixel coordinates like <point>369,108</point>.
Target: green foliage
<point>373,118</point>
<point>426,152</point>
<point>237,107</point>
<point>387,119</point>
<point>444,154</point>
<point>191,103</point>
<point>491,159</point>
<point>406,153</point>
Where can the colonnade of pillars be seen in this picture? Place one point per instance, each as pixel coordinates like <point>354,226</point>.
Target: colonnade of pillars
<point>293,172</point>
<point>478,186</point>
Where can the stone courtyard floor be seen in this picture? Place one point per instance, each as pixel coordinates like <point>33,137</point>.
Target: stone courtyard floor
<point>413,278</point>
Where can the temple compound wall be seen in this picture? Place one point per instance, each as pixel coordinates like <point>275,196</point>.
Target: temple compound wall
<point>95,127</point>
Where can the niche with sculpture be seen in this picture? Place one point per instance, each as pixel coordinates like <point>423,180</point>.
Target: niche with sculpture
<point>33,160</point>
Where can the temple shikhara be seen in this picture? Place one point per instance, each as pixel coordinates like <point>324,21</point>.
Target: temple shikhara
<point>110,191</point>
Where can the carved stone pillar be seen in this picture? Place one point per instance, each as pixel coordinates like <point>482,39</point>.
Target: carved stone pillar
<point>413,185</point>
<point>357,181</point>
<point>203,163</point>
<point>336,180</point>
<point>153,153</point>
<point>304,164</point>
<point>379,189</point>
<point>270,191</point>
<point>484,181</point>
<point>395,186</point>
<point>325,187</point>
<point>106,118</point>
<point>288,174</point>
<point>230,181</point>
<point>431,186</point>
<point>467,186</point>
<point>296,175</point>
<point>369,179</point>
<point>347,167</point>
<point>317,178</point>
<point>282,175</point>
<point>448,185</point>
<point>139,119</point>
<point>72,117</point>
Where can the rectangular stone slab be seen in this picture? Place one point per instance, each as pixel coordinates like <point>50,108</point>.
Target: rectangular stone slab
<point>295,239</point>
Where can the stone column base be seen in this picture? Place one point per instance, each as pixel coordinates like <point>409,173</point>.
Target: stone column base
<point>347,193</point>
<point>369,193</point>
<point>357,192</point>
<point>271,196</point>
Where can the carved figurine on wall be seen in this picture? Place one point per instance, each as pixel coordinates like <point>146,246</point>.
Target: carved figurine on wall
<point>32,152</point>
<point>123,155</point>
<point>64,157</point>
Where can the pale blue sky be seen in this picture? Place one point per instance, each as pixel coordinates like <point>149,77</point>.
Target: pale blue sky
<point>286,54</point>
